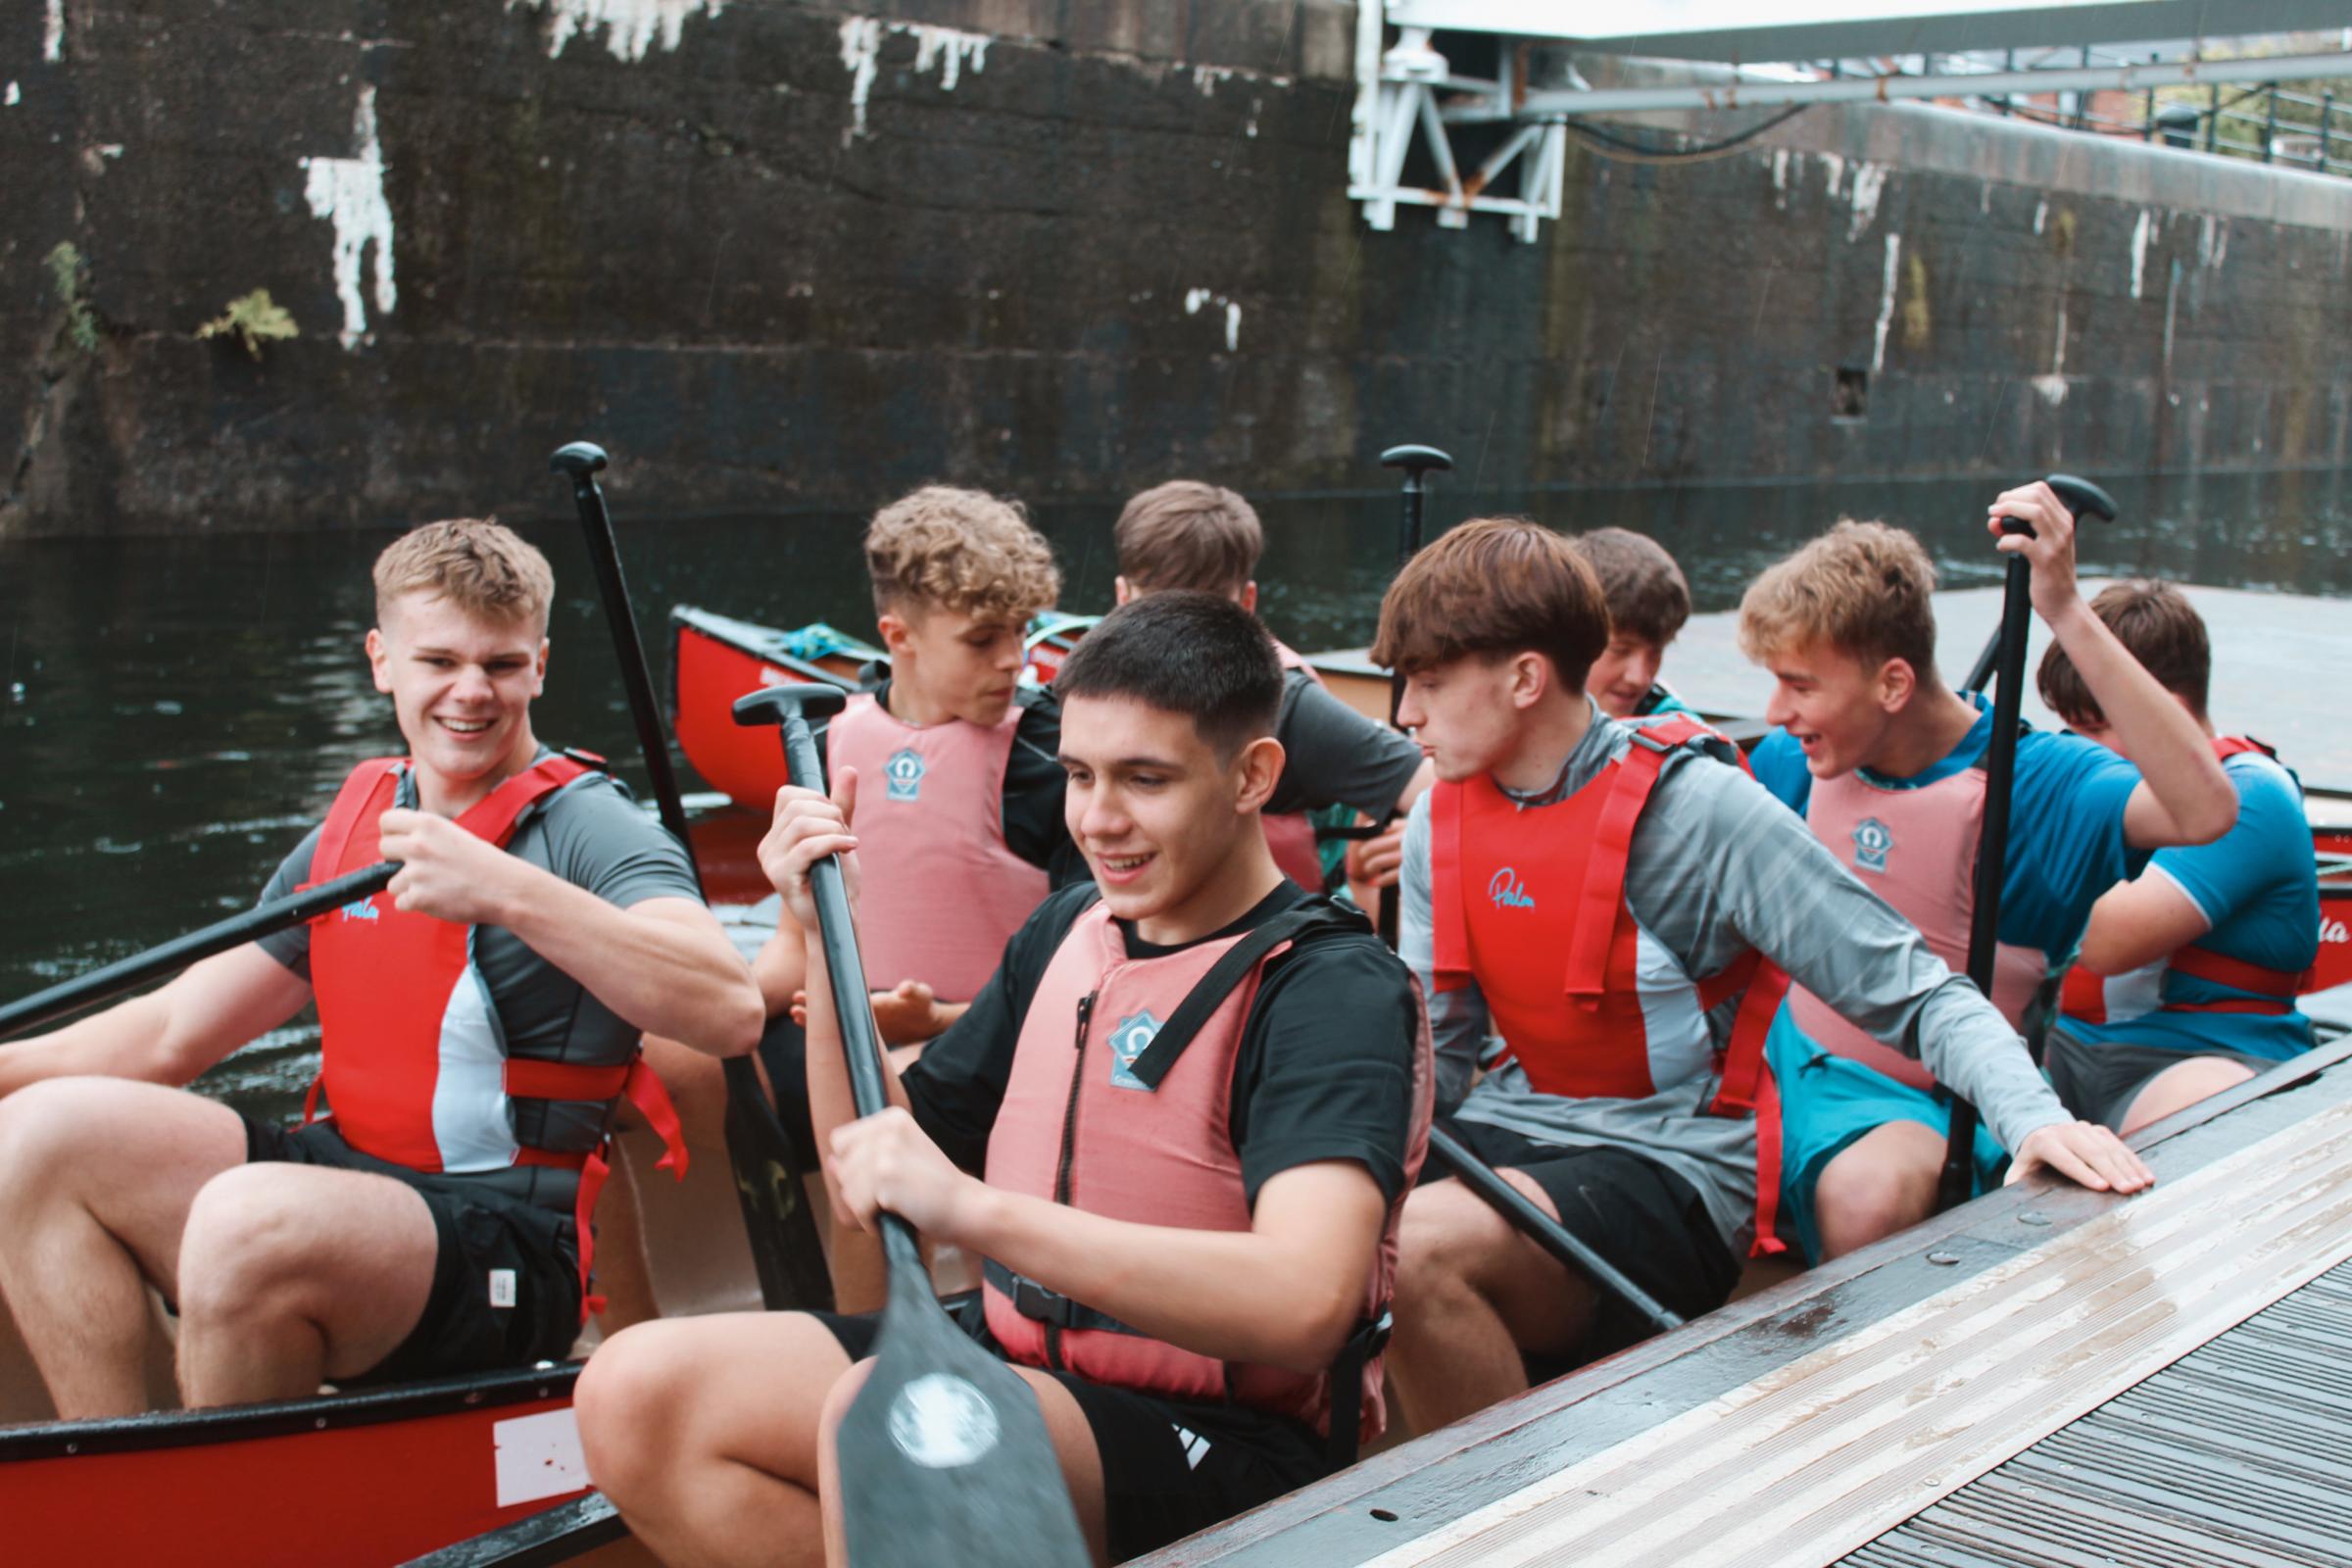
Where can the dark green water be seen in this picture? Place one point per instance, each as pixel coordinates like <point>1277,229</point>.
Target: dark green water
<point>174,714</point>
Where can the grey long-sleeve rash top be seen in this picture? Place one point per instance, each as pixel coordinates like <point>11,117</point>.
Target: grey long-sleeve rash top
<point>1719,865</point>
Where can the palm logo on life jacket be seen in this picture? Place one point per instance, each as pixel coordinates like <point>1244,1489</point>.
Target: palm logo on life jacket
<point>1509,891</point>
<point>1872,841</point>
<point>1128,1040</point>
<point>905,771</point>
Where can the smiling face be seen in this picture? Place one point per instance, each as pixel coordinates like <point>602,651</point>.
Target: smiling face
<point>461,688</point>
<point>1167,825</point>
<point>1838,708</point>
<point>947,664</point>
<point>1623,673</point>
<point>1466,712</point>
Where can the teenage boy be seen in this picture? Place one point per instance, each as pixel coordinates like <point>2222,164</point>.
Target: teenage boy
<point>2184,984</point>
<point>1648,601</point>
<point>1187,534</point>
<point>481,1019</point>
<point>1886,764</point>
<point>1613,898</point>
<point>1187,1241</point>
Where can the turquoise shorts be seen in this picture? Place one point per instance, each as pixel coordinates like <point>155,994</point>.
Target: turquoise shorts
<point>1827,1102</point>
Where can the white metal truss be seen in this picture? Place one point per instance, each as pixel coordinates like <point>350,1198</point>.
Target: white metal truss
<point>1409,94</point>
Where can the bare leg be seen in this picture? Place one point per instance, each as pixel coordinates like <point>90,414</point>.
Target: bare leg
<point>2179,1088</point>
<point>1472,1295</point>
<point>704,1433</point>
<point>1073,1447</point>
<point>1883,1182</point>
<point>294,1274</point>
<point>96,1179</point>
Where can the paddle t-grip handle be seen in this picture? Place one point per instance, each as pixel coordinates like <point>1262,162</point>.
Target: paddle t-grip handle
<point>2076,494</point>
<point>583,461</point>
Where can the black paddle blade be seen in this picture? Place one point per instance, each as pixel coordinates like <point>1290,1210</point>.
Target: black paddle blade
<point>945,1457</point>
<point>787,1254</point>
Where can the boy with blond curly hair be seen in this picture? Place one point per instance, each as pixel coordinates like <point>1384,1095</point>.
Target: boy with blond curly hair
<point>479,1019</point>
<point>1886,764</point>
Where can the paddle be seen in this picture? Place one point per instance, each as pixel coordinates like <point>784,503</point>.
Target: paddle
<point>786,1253</point>
<point>944,1455</point>
<point>2080,496</point>
<point>125,974</point>
<point>1416,462</point>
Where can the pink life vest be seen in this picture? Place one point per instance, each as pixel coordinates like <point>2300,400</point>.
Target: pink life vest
<point>1532,911</point>
<point>1117,1128</point>
<point>413,1058</point>
<point>1291,835</point>
<point>2101,999</point>
<point>942,891</point>
<point>1916,848</point>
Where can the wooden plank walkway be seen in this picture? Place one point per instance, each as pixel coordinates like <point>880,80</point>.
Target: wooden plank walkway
<point>1795,1427</point>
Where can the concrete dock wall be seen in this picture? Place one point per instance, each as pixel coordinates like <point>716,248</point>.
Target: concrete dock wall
<point>799,255</point>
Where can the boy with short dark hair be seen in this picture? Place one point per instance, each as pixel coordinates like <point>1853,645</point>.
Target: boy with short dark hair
<point>1886,762</point>
<point>1648,601</point>
<point>1618,901</point>
<point>1179,1245</point>
<point>2185,979</point>
<point>1187,534</point>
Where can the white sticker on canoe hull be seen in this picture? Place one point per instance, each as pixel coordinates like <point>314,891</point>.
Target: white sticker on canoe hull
<point>538,1456</point>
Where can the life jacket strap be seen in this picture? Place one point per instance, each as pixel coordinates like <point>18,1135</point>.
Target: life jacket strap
<point>643,1088</point>
<point>1601,904</point>
<point>1449,921</point>
<point>1239,961</point>
<point>1039,1304</point>
<point>1347,1383</point>
<point>2279,985</point>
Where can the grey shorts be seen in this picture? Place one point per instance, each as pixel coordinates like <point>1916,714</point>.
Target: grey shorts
<point>2098,1080</point>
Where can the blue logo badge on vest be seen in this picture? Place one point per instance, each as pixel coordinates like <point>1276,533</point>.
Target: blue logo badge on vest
<point>905,771</point>
<point>1509,891</point>
<point>362,910</point>
<point>1127,1041</point>
<point>1872,841</point>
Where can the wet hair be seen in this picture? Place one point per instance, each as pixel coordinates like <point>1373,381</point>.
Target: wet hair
<point>1495,587</point>
<point>2160,628</point>
<point>961,550</point>
<point>1187,534</point>
<point>1646,593</point>
<point>1183,651</point>
<point>480,565</point>
<point>1864,589</point>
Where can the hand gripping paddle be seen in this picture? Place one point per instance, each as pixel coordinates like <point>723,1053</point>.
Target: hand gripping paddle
<point>2007,654</point>
<point>944,1455</point>
<point>786,1255</point>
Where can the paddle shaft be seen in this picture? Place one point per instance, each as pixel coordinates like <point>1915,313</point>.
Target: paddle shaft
<point>1545,1232</point>
<point>1416,462</point>
<point>782,1234</point>
<point>125,974</point>
<point>845,970</point>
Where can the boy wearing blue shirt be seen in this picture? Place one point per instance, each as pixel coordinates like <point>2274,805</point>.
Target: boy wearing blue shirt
<point>2186,981</point>
<point>1885,765</point>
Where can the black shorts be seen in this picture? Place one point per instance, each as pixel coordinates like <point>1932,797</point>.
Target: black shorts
<point>2098,1080</point>
<point>506,1276</point>
<point>1640,1216</point>
<point>1169,1468</point>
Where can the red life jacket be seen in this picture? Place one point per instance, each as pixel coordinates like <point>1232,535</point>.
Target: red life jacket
<point>2117,999</point>
<point>1509,903</point>
<point>1135,1124</point>
<point>416,1066</point>
<point>1291,835</point>
<point>944,892</point>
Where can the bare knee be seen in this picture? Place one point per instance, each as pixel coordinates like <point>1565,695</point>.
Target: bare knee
<point>1445,1240</point>
<point>2179,1086</point>
<point>625,1402</point>
<point>1876,1188</point>
<point>45,1138</point>
<point>244,1251</point>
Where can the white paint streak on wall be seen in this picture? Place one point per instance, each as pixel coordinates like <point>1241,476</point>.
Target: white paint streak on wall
<point>2042,215</point>
<point>1985,198</point>
<point>941,47</point>
<point>1869,181</point>
<point>348,192</point>
<point>53,32</point>
<point>1250,129</point>
<point>1206,77</point>
<point>2052,386</point>
<point>1196,297</point>
<point>1837,168</point>
<point>2140,234</point>
<point>1780,178</point>
<point>14,97</point>
<point>1878,352</point>
<point>630,25</point>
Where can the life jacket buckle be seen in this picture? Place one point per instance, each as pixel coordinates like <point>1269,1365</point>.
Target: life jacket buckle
<point>1039,1304</point>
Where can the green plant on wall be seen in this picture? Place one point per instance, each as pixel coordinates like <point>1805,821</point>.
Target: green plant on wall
<point>70,274</point>
<point>255,319</point>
